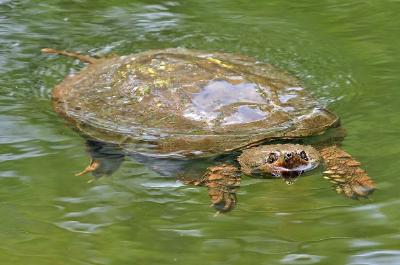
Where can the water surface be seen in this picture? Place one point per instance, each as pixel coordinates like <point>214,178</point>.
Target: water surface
<point>346,52</point>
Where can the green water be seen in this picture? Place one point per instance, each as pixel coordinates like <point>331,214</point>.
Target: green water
<point>347,52</point>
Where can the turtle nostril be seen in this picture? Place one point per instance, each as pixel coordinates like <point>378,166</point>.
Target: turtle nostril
<point>303,155</point>
<point>288,156</point>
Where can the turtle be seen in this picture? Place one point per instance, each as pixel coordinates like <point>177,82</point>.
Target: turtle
<point>178,104</point>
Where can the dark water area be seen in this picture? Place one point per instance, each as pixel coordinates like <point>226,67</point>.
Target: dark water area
<point>346,52</point>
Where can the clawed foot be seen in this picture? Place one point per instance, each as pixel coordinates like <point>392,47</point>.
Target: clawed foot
<point>92,167</point>
<point>105,159</point>
<point>223,200</point>
<point>346,174</point>
<point>222,182</point>
<point>356,188</point>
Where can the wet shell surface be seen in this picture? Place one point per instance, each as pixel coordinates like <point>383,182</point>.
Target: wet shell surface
<point>188,103</point>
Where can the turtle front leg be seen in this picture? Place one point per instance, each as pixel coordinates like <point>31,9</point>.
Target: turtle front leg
<point>222,182</point>
<point>346,174</point>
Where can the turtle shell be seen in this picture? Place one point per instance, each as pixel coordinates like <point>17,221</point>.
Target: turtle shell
<point>184,102</point>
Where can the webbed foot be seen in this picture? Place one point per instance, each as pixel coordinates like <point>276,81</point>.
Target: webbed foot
<point>222,182</point>
<point>346,174</point>
<point>355,188</point>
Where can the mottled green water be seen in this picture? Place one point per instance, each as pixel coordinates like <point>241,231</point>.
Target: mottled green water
<point>348,52</point>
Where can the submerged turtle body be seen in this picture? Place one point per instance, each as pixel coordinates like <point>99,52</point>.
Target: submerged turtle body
<point>188,103</point>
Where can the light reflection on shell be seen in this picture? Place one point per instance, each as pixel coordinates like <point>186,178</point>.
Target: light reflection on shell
<point>188,102</point>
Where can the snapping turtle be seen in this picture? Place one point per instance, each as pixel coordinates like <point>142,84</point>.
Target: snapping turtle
<point>185,104</point>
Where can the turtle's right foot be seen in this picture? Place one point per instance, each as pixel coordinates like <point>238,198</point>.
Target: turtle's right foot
<point>222,182</point>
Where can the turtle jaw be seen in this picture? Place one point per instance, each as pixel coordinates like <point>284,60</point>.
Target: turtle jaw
<point>289,168</point>
<point>289,175</point>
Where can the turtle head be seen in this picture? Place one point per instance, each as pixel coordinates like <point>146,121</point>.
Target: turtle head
<point>280,160</point>
<point>289,160</point>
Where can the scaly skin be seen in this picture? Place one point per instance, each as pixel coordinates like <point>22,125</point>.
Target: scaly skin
<point>345,173</point>
<point>343,170</point>
<point>222,182</point>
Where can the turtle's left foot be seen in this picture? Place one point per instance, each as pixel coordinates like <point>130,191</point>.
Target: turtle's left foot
<point>92,167</point>
<point>105,159</point>
<point>346,174</point>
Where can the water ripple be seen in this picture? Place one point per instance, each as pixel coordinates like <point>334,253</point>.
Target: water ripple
<point>346,52</point>
<point>78,227</point>
<point>379,257</point>
<point>295,259</point>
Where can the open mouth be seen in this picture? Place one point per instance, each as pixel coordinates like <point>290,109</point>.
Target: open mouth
<point>290,174</point>
<point>284,172</point>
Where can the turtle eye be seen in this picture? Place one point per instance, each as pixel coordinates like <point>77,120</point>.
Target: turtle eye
<point>303,155</point>
<point>272,158</point>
